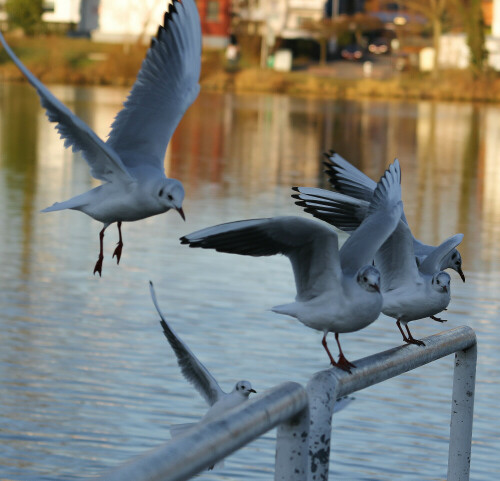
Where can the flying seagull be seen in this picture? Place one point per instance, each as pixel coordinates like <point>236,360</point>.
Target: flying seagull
<point>199,376</point>
<point>347,207</point>
<point>337,290</point>
<point>130,162</point>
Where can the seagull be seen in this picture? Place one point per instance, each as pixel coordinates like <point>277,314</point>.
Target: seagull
<point>351,201</point>
<point>130,162</point>
<point>410,291</point>
<point>199,376</point>
<point>413,287</point>
<point>337,290</point>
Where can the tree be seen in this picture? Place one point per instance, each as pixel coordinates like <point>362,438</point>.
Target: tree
<point>473,21</point>
<point>26,14</point>
<point>435,12</point>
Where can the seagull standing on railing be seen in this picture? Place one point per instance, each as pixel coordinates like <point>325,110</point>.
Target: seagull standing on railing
<point>337,290</point>
<point>413,286</point>
<point>199,376</point>
<point>130,162</point>
<point>347,207</point>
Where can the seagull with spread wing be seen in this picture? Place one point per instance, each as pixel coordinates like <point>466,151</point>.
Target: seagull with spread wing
<point>199,376</point>
<point>338,290</point>
<point>414,285</point>
<point>130,162</point>
<point>348,206</point>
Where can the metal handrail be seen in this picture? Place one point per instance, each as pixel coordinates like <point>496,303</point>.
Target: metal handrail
<point>303,417</point>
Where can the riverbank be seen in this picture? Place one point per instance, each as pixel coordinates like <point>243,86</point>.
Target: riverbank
<point>81,62</point>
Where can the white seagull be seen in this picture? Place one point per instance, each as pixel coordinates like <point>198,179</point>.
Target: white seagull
<point>130,162</point>
<point>413,287</point>
<point>337,290</point>
<point>199,376</point>
<point>348,206</point>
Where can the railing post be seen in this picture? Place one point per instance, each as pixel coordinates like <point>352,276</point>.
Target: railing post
<point>322,392</point>
<point>462,409</point>
<point>292,448</point>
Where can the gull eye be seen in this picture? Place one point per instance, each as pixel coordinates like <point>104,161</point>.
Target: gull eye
<point>160,193</point>
<point>170,197</point>
<point>365,279</point>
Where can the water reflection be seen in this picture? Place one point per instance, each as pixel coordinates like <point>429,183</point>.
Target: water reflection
<point>87,378</point>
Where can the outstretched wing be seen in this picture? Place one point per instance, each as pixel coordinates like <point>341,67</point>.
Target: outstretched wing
<point>384,214</point>
<point>166,86</point>
<point>104,162</point>
<point>347,179</point>
<point>192,369</point>
<point>311,247</point>
<point>344,212</point>
<point>434,261</point>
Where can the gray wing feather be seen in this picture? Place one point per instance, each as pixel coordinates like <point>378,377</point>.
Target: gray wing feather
<point>104,162</point>
<point>311,247</point>
<point>384,214</point>
<point>166,86</point>
<point>434,261</point>
<point>192,369</point>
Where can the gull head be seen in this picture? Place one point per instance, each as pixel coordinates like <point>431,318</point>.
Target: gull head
<point>441,282</point>
<point>244,388</point>
<point>368,278</point>
<point>170,193</point>
<point>454,261</point>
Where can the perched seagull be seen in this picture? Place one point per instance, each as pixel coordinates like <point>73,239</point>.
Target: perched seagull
<point>413,287</point>
<point>130,162</point>
<point>197,374</point>
<point>348,206</point>
<point>337,290</point>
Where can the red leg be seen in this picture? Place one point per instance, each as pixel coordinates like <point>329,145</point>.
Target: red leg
<point>405,339</point>
<point>438,319</point>
<point>98,264</point>
<point>118,250</point>
<point>323,342</point>
<point>412,340</point>
<point>343,362</point>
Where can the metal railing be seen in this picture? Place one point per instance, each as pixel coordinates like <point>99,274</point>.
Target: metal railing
<point>304,415</point>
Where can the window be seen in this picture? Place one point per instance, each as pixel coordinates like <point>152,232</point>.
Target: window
<point>212,11</point>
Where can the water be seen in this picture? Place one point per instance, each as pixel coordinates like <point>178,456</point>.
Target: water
<point>88,380</point>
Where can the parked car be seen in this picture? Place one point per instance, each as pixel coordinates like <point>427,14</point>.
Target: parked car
<point>352,52</point>
<point>379,46</point>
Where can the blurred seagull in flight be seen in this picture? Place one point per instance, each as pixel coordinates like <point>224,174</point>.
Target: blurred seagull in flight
<point>199,376</point>
<point>337,290</point>
<point>413,285</point>
<point>348,206</point>
<point>130,162</point>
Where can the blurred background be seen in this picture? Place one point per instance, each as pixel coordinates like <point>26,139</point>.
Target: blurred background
<point>87,379</point>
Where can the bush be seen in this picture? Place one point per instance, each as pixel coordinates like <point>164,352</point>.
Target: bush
<point>26,14</point>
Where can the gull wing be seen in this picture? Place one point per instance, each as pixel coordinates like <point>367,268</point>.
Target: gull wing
<point>396,260</point>
<point>347,179</point>
<point>311,247</point>
<point>192,369</point>
<point>434,261</point>
<point>344,212</point>
<point>166,86</point>
<point>384,214</point>
<point>104,162</point>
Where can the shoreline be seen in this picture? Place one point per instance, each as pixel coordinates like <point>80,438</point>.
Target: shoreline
<point>58,60</point>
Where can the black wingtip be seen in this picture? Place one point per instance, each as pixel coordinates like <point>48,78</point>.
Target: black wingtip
<point>295,196</point>
<point>295,188</point>
<point>184,240</point>
<point>301,203</point>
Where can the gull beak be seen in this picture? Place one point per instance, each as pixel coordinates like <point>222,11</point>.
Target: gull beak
<point>461,273</point>
<point>253,390</point>
<point>445,289</point>
<point>376,287</point>
<point>181,213</point>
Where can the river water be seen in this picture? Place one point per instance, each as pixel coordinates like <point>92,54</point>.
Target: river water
<point>87,378</point>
